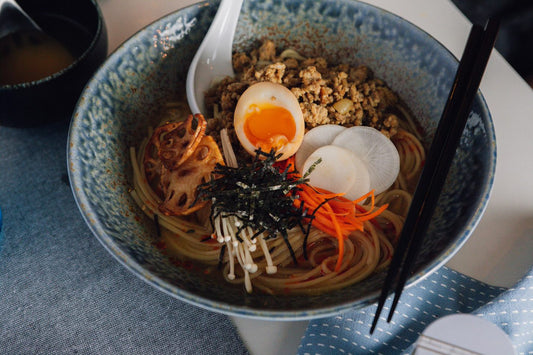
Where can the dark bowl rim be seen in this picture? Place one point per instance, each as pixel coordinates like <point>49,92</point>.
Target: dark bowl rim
<point>278,315</point>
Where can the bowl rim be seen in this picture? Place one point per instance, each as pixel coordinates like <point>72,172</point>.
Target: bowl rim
<point>127,261</point>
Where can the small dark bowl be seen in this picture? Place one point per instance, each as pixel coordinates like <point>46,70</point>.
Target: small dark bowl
<point>79,25</point>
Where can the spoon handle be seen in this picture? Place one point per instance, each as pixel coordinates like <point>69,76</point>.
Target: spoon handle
<point>223,29</point>
<point>213,60</point>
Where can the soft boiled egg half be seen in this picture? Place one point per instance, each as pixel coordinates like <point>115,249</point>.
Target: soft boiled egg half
<point>268,116</point>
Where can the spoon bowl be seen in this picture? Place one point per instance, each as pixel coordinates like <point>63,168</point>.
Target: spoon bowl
<point>14,19</point>
<point>212,61</point>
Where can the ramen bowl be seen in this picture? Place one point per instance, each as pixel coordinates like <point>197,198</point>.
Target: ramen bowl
<point>126,96</point>
<point>36,96</point>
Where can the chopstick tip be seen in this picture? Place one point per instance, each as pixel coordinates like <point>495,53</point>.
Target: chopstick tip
<point>373,327</point>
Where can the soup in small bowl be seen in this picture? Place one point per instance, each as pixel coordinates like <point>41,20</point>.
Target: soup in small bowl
<point>43,73</point>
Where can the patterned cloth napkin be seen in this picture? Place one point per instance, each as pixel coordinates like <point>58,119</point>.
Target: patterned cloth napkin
<point>444,292</point>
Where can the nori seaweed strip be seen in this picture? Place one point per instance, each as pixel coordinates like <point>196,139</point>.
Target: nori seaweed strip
<point>258,195</point>
<point>306,236</point>
<point>270,236</point>
<point>256,234</point>
<point>221,257</point>
<point>291,251</point>
<point>239,239</point>
<point>211,221</point>
<point>305,232</point>
<point>311,217</point>
<point>157,226</point>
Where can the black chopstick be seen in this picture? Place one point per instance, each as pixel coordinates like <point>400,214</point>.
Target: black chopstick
<point>446,139</point>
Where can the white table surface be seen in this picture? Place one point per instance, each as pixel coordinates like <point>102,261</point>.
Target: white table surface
<point>500,250</point>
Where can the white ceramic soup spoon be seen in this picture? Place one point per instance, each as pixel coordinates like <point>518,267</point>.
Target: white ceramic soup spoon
<point>212,61</point>
<point>14,19</point>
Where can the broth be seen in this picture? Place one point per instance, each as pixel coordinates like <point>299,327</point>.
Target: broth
<point>30,56</point>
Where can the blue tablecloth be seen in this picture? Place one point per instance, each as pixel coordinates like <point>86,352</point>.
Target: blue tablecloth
<point>60,290</point>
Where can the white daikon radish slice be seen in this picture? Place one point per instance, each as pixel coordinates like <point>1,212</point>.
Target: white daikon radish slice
<point>377,151</point>
<point>336,171</point>
<point>361,185</point>
<point>314,139</point>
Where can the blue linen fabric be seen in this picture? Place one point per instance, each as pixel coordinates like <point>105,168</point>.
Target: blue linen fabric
<point>1,233</point>
<point>444,292</point>
<point>60,290</point>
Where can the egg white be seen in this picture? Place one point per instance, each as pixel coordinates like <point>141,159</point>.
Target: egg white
<point>273,94</point>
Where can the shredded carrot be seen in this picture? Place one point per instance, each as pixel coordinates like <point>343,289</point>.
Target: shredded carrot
<point>334,214</point>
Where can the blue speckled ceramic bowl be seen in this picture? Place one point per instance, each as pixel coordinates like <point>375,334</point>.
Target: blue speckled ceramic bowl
<point>125,95</point>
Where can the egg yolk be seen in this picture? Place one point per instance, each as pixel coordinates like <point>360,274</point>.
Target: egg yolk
<point>268,126</point>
